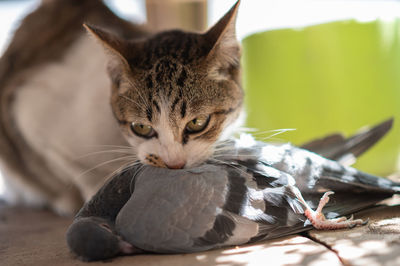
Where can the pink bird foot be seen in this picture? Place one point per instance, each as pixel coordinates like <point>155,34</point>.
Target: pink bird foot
<point>319,221</point>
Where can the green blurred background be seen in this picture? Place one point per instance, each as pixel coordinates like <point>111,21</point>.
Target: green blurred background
<point>326,78</point>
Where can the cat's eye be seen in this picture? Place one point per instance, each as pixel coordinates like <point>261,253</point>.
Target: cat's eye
<point>198,124</point>
<point>141,130</point>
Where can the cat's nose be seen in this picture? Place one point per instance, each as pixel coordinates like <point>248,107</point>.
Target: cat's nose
<point>179,165</point>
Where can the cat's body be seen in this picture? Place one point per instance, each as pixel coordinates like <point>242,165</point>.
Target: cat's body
<point>63,100</point>
<point>55,101</point>
<point>55,107</point>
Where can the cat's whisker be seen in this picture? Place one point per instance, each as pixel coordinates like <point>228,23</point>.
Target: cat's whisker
<point>133,178</point>
<point>131,157</point>
<point>223,147</point>
<point>140,95</point>
<point>245,129</point>
<point>123,166</point>
<point>224,152</point>
<point>275,140</point>
<point>124,151</point>
<point>219,149</point>
<point>271,138</point>
<point>228,164</point>
<point>234,156</point>
<point>224,141</point>
<point>130,100</point>
<point>275,131</point>
<point>111,146</point>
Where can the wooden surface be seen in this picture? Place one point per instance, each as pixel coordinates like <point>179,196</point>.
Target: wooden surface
<point>377,243</point>
<point>37,237</point>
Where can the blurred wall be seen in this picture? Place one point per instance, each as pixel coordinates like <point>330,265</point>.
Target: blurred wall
<point>182,14</point>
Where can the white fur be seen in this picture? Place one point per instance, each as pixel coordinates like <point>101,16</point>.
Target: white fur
<point>63,112</point>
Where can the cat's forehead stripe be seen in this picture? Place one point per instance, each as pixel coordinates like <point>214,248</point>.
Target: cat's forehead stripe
<point>174,103</point>
<point>183,109</point>
<point>149,113</point>
<point>182,78</point>
<point>149,82</point>
<point>150,97</point>
<point>171,88</point>
<point>157,106</point>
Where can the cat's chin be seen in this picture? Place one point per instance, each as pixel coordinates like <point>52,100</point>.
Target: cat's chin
<point>194,164</point>
<point>186,166</point>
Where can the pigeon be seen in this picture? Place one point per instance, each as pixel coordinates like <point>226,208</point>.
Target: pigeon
<point>247,191</point>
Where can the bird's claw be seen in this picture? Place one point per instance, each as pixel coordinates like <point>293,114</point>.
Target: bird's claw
<point>319,221</point>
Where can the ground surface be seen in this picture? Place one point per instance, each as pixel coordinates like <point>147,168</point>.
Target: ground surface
<point>35,237</point>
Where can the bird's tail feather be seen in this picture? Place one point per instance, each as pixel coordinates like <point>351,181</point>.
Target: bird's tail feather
<point>345,150</point>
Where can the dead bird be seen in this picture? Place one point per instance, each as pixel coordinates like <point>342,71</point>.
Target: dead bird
<point>248,191</point>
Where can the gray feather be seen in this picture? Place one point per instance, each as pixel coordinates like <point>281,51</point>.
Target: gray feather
<point>170,209</point>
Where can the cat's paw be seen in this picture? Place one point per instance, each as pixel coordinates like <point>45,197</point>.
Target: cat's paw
<point>93,238</point>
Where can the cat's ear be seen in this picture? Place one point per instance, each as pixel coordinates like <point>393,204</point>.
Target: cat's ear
<point>116,46</point>
<point>221,39</point>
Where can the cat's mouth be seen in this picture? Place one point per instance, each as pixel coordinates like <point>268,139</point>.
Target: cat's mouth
<point>154,160</point>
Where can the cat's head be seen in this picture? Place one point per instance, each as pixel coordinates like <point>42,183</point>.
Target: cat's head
<point>175,92</point>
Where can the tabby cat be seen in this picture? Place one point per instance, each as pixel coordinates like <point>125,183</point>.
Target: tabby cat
<point>173,95</point>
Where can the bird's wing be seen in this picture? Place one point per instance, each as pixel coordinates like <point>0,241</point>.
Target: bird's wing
<point>311,172</point>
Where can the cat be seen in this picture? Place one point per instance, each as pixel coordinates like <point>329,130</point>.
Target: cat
<point>164,99</point>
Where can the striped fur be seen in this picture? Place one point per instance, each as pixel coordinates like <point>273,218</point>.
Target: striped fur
<point>171,78</point>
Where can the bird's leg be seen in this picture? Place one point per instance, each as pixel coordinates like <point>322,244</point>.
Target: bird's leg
<point>125,247</point>
<point>318,219</point>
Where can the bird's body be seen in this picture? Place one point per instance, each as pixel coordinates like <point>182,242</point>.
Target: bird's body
<point>247,192</point>
<point>253,195</point>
